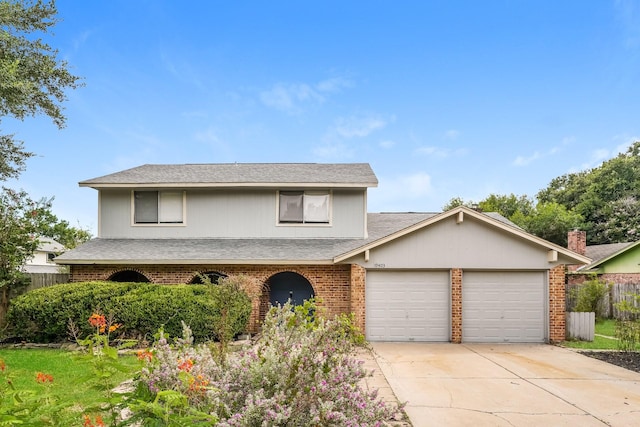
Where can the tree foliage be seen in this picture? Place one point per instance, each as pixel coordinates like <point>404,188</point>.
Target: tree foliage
<point>606,197</point>
<point>33,81</point>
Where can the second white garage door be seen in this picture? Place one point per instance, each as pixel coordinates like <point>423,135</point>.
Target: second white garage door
<point>503,306</point>
<point>407,306</point>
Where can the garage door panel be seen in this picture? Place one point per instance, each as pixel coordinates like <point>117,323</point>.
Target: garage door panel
<point>503,307</point>
<point>407,306</point>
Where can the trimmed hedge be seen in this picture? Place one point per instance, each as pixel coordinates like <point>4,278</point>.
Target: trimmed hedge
<point>43,315</point>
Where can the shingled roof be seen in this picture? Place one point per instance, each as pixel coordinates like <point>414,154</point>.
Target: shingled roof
<point>334,175</point>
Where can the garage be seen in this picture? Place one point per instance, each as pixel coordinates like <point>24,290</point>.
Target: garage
<point>407,306</point>
<point>504,306</point>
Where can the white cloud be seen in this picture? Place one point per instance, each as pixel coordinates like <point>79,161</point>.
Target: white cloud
<point>333,151</point>
<point>358,126</point>
<point>387,144</point>
<point>440,152</point>
<point>401,192</point>
<point>523,161</point>
<point>291,97</point>
<point>451,135</point>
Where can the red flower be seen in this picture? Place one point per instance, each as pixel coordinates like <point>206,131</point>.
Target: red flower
<point>89,423</point>
<point>44,378</point>
<point>98,321</point>
<point>144,355</point>
<point>186,365</point>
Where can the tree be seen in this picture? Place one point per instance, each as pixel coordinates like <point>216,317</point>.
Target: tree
<point>61,231</point>
<point>33,81</point>
<point>550,221</point>
<point>32,78</point>
<point>20,220</point>
<point>604,196</point>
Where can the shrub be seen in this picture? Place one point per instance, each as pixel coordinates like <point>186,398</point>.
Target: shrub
<point>590,296</point>
<point>628,325</point>
<point>299,372</point>
<point>43,315</point>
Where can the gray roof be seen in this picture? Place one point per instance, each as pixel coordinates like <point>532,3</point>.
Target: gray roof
<point>241,174</point>
<point>600,252</point>
<point>110,251</point>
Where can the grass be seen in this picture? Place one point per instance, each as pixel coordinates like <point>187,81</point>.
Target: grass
<point>70,375</point>
<point>604,329</point>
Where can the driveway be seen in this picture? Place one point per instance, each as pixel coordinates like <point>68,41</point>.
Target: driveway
<point>507,385</point>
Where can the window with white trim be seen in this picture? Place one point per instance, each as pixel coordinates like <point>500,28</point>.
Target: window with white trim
<point>158,207</point>
<point>304,207</point>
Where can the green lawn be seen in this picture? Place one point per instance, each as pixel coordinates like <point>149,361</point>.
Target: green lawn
<point>71,377</point>
<point>604,328</point>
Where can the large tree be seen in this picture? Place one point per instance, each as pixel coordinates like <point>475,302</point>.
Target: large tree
<point>33,82</point>
<point>606,197</point>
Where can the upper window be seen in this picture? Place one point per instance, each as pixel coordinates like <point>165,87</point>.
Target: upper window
<point>304,207</point>
<point>158,207</point>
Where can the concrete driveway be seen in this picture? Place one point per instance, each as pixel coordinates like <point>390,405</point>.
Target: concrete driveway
<point>507,385</point>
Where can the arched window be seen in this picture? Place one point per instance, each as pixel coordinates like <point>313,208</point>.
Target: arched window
<point>128,276</point>
<point>287,286</point>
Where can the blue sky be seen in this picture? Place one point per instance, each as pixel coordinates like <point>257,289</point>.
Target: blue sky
<point>442,98</point>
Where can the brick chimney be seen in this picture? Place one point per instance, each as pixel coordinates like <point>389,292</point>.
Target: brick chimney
<point>577,241</point>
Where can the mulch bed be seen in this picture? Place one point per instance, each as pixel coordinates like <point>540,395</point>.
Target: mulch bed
<point>626,359</point>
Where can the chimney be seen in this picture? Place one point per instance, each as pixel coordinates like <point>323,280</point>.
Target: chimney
<point>577,241</point>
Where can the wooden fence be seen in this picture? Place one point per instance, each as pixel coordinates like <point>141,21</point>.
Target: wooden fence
<point>617,293</point>
<point>41,280</point>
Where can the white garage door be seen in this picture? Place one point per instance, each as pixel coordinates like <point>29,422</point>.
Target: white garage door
<point>503,306</point>
<point>407,306</point>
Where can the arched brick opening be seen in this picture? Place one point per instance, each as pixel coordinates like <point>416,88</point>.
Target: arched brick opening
<point>129,276</point>
<point>284,286</point>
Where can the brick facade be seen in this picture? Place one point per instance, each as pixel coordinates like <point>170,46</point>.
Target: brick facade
<point>557,316</point>
<point>332,284</point>
<point>340,289</point>
<point>456,305</point>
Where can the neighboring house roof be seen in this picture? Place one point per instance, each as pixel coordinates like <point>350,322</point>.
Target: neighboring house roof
<point>382,228</point>
<point>600,254</point>
<point>47,244</point>
<point>357,175</point>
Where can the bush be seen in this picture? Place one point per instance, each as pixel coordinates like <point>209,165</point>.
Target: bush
<point>43,315</point>
<point>300,372</point>
<point>590,296</point>
<point>628,325</point>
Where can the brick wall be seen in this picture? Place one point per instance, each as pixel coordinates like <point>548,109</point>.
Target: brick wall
<point>456,305</point>
<point>331,283</point>
<point>557,304</point>
<point>358,275</point>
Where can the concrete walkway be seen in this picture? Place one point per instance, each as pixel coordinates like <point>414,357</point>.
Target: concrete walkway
<point>505,385</point>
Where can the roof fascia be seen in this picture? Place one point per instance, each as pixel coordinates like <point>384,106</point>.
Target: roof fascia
<point>474,214</point>
<point>193,262</point>
<point>98,186</point>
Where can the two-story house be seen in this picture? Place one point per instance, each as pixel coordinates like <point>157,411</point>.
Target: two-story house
<point>303,230</point>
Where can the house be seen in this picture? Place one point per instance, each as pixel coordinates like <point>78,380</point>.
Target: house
<point>303,230</point>
<point>614,262</point>
<point>43,257</point>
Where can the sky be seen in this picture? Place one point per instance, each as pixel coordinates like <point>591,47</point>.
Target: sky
<point>442,98</point>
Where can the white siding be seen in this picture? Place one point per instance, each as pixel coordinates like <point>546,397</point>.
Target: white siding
<point>503,306</point>
<point>238,213</point>
<point>471,245</point>
<point>407,306</point>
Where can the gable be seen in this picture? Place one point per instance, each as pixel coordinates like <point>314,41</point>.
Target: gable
<point>462,238</point>
<point>625,261</point>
